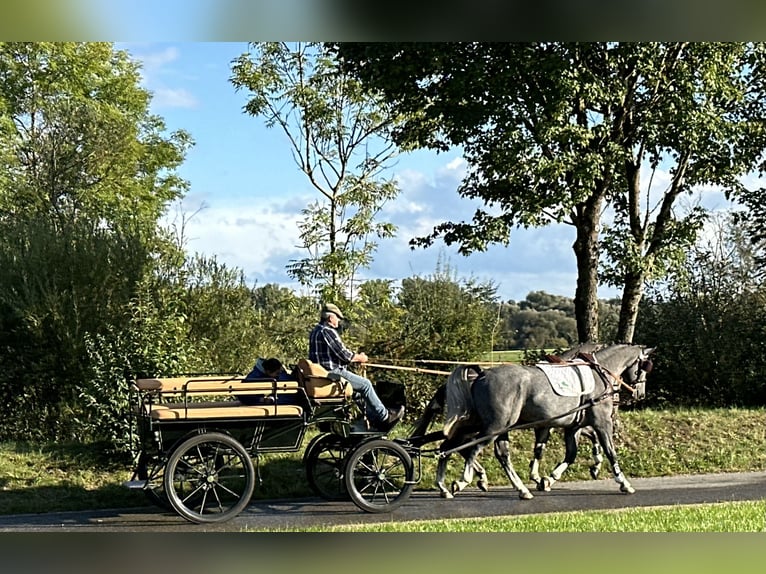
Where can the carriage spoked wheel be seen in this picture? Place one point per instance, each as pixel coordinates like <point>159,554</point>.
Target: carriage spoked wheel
<point>209,478</point>
<point>379,475</point>
<point>146,469</point>
<point>325,462</point>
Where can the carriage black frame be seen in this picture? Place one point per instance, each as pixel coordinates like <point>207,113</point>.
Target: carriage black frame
<point>198,448</point>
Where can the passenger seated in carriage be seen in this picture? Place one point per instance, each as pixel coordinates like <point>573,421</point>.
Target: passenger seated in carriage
<point>266,369</point>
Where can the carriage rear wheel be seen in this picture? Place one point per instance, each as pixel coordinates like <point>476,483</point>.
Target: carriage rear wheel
<point>379,475</point>
<point>325,462</point>
<point>209,478</point>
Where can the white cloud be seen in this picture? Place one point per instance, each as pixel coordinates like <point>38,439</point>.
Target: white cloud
<point>158,59</point>
<point>174,98</point>
<point>258,239</point>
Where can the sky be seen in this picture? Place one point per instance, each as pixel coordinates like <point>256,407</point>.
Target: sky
<point>246,192</point>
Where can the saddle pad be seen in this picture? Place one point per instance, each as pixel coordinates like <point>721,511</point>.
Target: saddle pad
<point>569,380</point>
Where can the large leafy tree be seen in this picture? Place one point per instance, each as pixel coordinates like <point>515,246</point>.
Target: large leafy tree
<point>85,172</point>
<point>561,132</point>
<point>334,131</point>
<point>77,138</point>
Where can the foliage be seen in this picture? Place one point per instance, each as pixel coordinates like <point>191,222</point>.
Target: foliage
<point>87,170</point>
<point>708,324</point>
<point>559,131</point>
<point>334,130</point>
<point>77,137</point>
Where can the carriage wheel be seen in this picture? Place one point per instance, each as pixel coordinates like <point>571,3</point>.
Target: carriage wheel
<point>379,476</point>
<point>154,490</point>
<point>325,461</point>
<point>209,478</point>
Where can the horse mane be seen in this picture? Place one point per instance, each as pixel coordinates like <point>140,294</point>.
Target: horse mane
<point>458,396</point>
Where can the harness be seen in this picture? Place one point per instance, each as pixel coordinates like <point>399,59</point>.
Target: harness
<point>611,389</point>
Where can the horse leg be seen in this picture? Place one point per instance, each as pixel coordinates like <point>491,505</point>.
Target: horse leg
<point>482,482</point>
<point>502,454</point>
<point>541,439</point>
<point>596,451</point>
<point>570,445</point>
<point>605,438</point>
<point>441,472</point>
<point>441,467</point>
<point>471,465</point>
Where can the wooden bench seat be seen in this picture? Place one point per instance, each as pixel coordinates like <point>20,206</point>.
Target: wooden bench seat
<point>220,410</point>
<point>178,398</point>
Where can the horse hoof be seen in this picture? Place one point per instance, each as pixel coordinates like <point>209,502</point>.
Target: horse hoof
<point>541,486</point>
<point>445,494</point>
<point>457,487</point>
<point>627,489</point>
<point>594,473</point>
<point>525,495</point>
<point>483,485</point>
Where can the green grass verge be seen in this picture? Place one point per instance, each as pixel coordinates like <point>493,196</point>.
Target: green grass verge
<point>720,517</point>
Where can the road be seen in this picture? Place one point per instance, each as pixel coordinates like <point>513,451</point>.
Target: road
<point>499,501</point>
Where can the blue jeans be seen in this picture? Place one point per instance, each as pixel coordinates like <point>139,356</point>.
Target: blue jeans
<point>376,411</point>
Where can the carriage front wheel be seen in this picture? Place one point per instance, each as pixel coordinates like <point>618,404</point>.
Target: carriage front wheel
<point>325,462</point>
<point>379,476</point>
<point>209,478</point>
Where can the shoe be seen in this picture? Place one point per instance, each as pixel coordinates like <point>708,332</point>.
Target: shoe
<point>393,417</point>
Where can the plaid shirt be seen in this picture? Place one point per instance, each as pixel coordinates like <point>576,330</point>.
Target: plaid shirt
<point>327,349</point>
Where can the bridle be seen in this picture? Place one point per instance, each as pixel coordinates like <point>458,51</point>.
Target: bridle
<point>637,388</point>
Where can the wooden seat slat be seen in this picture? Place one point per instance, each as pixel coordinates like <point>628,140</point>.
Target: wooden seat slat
<point>212,385</point>
<point>236,410</point>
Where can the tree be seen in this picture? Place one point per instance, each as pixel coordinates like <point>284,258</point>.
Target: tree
<point>707,320</point>
<point>77,138</point>
<point>86,171</point>
<point>559,132</point>
<point>334,131</point>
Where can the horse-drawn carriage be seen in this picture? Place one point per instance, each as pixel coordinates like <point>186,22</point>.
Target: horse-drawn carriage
<point>199,446</point>
<point>197,442</point>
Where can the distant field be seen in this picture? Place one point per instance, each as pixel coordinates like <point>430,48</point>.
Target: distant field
<point>513,356</point>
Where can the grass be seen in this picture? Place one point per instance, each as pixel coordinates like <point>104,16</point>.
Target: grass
<point>720,517</point>
<point>56,477</point>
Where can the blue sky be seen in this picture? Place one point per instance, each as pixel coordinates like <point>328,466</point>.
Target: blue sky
<point>246,192</point>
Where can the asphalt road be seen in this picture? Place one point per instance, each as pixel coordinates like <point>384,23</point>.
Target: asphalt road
<point>499,501</point>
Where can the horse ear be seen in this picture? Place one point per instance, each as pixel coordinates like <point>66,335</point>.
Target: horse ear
<point>649,350</point>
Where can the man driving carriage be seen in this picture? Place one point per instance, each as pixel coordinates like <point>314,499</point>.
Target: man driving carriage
<point>327,349</point>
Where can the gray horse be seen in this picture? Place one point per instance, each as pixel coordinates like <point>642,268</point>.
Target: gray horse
<point>469,431</point>
<point>516,396</point>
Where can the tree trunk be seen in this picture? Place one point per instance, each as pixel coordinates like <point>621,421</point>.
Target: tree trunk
<point>632,293</point>
<point>587,251</point>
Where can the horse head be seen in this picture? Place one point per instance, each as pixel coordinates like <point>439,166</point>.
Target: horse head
<point>631,362</point>
<point>635,374</point>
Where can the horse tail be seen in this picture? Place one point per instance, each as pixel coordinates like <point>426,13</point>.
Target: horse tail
<point>458,396</point>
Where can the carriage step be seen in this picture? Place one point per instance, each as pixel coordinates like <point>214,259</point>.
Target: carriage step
<point>135,484</point>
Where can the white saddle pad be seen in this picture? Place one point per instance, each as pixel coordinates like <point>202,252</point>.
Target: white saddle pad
<point>569,380</point>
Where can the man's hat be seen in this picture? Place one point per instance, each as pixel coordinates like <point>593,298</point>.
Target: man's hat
<point>330,308</point>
